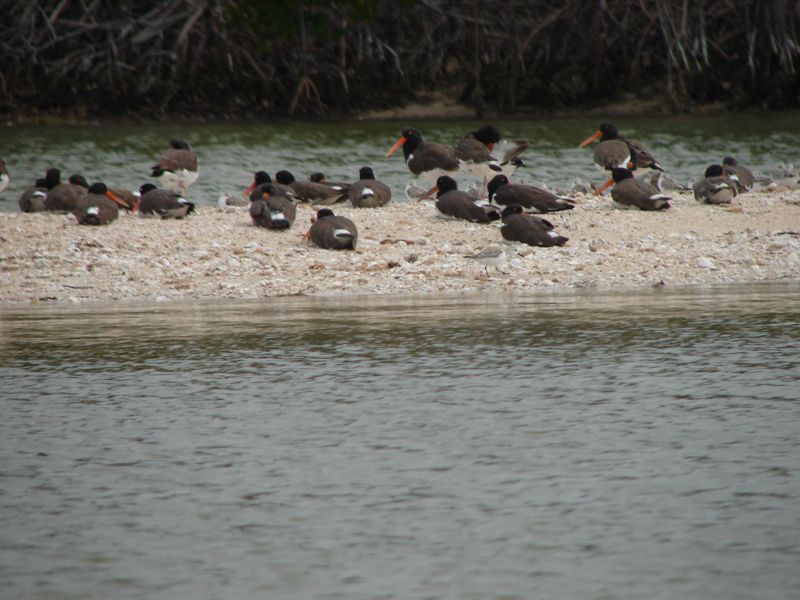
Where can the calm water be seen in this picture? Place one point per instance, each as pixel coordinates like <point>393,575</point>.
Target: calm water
<point>578,445</point>
<point>121,155</point>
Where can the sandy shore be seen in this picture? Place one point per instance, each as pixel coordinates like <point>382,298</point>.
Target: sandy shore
<point>405,249</point>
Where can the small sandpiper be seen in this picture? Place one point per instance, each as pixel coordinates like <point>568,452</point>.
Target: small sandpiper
<point>492,256</point>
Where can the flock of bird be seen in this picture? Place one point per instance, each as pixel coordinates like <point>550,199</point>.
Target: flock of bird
<point>482,153</point>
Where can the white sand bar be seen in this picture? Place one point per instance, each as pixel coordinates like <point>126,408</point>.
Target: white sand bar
<point>404,249</point>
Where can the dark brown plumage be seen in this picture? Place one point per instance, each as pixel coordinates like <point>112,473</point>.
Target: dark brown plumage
<point>531,198</point>
<point>615,151</point>
<point>424,158</point>
<point>478,153</point>
<point>62,197</point>
<point>367,192</point>
<point>715,187</point>
<point>333,232</point>
<point>163,203</point>
<point>308,191</point>
<point>528,229</point>
<point>98,207</point>
<point>455,204</point>
<point>741,175</point>
<point>260,178</point>
<point>32,199</point>
<point>272,210</point>
<point>635,193</point>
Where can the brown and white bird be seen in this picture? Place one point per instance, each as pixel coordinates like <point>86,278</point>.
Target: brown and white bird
<point>162,203</point>
<point>177,167</point>
<point>715,187</point>
<point>615,151</point>
<point>124,199</point>
<point>528,229</point>
<point>272,210</point>
<point>62,197</point>
<point>501,191</point>
<point>452,203</point>
<point>635,193</point>
<point>32,199</point>
<point>99,207</point>
<point>333,232</point>
<point>4,178</point>
<point>484,153</point>
<point>368,192</point>
<point>741,175</point>
<point>308,191</point>
<point>426,160</point>
<point>319,177</point>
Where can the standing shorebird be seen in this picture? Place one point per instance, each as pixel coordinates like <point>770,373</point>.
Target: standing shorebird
<point>477,152</point>
<point>615,151</point>
<point>177,168</point>
<point>4,178</point>
<point>493,256</point>
<point>427,160</point>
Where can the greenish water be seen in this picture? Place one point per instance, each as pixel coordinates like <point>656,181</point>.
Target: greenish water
<point>570,445</point>
<point>230,152</point>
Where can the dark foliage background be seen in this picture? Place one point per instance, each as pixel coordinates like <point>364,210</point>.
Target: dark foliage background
<point>289,57</point>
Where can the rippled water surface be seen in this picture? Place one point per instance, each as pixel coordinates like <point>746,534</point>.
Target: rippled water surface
<point>578,445</point>
<point>121,155</point>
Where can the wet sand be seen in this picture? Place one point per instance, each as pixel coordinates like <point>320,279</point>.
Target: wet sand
<point>404,249</point>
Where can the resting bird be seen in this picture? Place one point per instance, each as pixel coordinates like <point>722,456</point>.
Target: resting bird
<point>333,232</point>
<point>177,168</point>
<point>99,207</point>
<point>272,210</point>
<point>715,187</point>
<point>261,178</point>
<point>319,177</point>
<point>62,197</point>
<point>308,191</point>
<point>367,192</point>
<point>531,198</point>
<point>163,203</point>
<point>528,229</point>
<point>455,204</point>
<point>635,193</point>
<point>32,199</point>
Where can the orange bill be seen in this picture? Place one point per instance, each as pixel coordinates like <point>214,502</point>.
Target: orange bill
<point>604,187</point>
<point>428,194</point>
<point>117,200</point>
<point>595,136</point>
<point>397,144</point>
